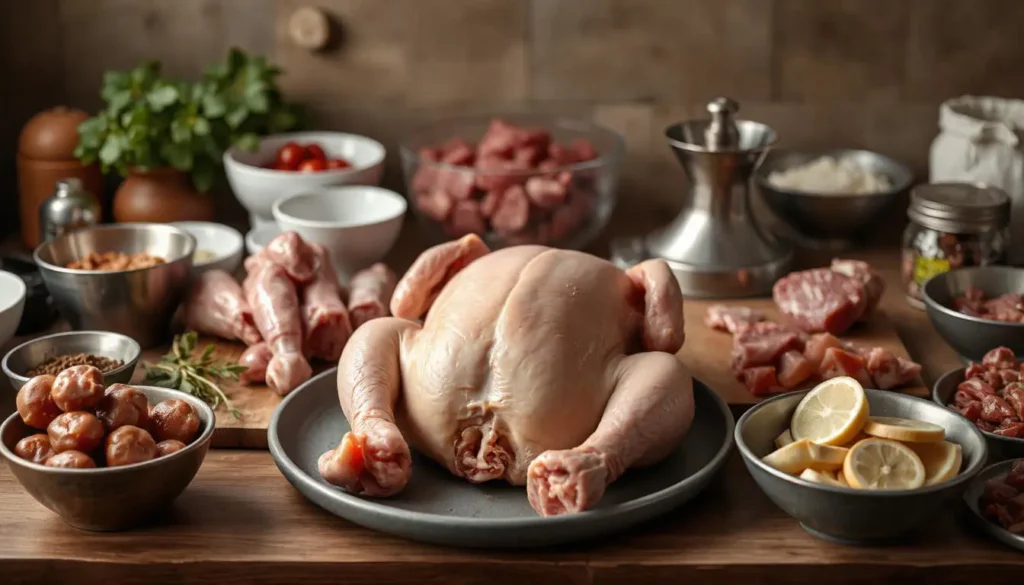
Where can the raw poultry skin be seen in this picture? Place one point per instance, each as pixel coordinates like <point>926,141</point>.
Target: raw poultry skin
<point>539,366</point>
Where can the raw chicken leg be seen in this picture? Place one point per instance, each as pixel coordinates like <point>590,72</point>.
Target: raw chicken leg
<point>370,294</point>
<point>291,252</point>
<point>523,369</point>
<point>275,304</point>
<point>216,306</point>
<point>255,358</point>
<point>326,319</point>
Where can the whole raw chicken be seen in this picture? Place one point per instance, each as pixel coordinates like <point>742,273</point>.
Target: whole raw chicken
<point>539,366</point>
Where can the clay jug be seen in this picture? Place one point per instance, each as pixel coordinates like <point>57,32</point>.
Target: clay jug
<point>160,195</point>
<point>46,149</point>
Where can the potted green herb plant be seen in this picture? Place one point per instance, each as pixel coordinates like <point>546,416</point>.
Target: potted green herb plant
<point>166,137</point>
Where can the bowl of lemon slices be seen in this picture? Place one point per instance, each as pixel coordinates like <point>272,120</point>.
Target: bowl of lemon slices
<point>855,465</point>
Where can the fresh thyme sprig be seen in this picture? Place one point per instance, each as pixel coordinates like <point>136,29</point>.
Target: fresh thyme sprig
<point>178,370</point>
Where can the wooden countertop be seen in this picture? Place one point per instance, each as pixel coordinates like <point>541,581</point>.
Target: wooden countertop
<point>241,522</point>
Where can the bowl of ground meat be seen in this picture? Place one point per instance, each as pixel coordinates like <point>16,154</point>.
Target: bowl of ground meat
<point>113,354</point>
<point>127,278</point>
<point>977,309</point>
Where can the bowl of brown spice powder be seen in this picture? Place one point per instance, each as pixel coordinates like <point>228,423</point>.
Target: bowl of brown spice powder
<point>113,354</point>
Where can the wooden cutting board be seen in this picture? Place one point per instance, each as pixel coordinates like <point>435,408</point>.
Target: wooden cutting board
<point>707,352</point>
<point>255,403</point>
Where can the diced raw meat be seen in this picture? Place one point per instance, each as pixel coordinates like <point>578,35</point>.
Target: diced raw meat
<point>1014,394</point>
<point>994,409</point>
<point>962,399</point>
<point>545,193</point>
<point>874,284</point>
<point>459,155</point>
<point>972,411</point>
<point>435,204</point>
<point>512,212</point>
<point>500,174</point>
<point>884,369</point>
<point>466,219</point>
<point>760,381</point>
<point>1008,376</point>
<point>1010,430</point>
<point>731,319</point>
<point>839,362</point>
<point>816,346</point>
<point>761,344</point>
<point>1001,357</point>
<point>564,221</point>
<point>794,368</point>
<point>489,203</point>
<point>975,370</point>
<point>561,155</point>
<point>458,183</point>
<point>977,388</point>
<point>528,156</point>
<point>821,300</point>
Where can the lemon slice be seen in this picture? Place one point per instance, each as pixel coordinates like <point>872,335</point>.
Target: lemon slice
<point>795,457</point>
<point>880,464</point>
<point>841,479</point>
<point>904,429</point>
<point>941,461</point>
<point>832,413</point>
<point>860,437</point>
<point>820,477</point>
<point>784,439</point>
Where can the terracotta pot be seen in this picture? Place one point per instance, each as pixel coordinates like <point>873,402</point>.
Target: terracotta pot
<point>46,149</point>
<point>161,196</point>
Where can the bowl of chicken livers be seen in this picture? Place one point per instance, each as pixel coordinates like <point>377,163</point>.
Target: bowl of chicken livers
<point>534,367</point>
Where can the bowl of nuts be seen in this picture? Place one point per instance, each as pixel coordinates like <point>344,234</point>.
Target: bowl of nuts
<point>104,458</point>
<point>115,356</point>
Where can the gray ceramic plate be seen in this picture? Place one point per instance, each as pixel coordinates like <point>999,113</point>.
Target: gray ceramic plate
<point>440,508</point>
<point>973,494</point>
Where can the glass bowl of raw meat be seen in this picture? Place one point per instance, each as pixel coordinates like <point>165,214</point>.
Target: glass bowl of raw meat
<point>990,393</point>
<point>523,179</point>
<point>977,309</point>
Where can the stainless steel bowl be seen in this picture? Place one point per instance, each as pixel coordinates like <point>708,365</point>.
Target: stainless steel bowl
<point>829,217</point>
<point>999,447</point>
<point>847,515</point>
<point>138,303</point>
<point>111,498</point>
<point>970,336</point>
<point>114,346</point>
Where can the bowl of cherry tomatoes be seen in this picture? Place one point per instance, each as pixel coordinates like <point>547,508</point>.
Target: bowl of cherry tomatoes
<point>300,162</point>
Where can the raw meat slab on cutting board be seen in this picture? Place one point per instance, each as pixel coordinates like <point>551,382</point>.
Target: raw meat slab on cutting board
<point>707,352</point>
<point>256,403</point>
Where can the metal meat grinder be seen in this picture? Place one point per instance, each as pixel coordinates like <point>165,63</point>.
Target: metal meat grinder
<point>715,246</point>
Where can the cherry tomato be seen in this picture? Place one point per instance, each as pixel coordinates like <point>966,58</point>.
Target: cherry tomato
<point>281,167</point>
<point>290,155</point>
<point>313,151</point>
<point>338,163</point>
<point>311,165</point>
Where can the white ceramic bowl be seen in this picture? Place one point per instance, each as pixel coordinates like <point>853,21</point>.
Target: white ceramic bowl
<point>223,242</point>
<point>357,224</point>
<point>12,303</point>
<point>259,237</point>
<point>257,188</point>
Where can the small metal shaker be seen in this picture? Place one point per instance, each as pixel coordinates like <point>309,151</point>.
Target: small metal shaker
<point>70,208</point>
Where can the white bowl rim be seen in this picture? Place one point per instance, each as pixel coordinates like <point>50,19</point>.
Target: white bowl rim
<point>19,283</point>
<point>196,443</point>
<point>229,155</point>
<point>189,250</point>
<point>236,244</point>
<point>250,236</point>
<point>748,455</point>
<point>279,215</point>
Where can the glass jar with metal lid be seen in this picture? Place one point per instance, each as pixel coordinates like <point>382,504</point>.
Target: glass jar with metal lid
<point>952,225</point>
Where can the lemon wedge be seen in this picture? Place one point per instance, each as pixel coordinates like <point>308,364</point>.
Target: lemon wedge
<point>880,464</point>
<point>784,439</point>
<point>820,477</point>
<point>797,456</point>
<point>941,461</point>
<point>904,429</point>
<point>832,413</point>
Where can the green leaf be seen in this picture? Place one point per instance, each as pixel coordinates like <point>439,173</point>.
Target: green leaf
<point>236,116</point>
<point>214,105</point>
<point>208,352</point>
<point>201,127</point>
<point>180,131</point>
<point>112,148</point>
<point>248,141</point>
<point>258,102</point>
<point>187,387</point>
<point>161,97</point>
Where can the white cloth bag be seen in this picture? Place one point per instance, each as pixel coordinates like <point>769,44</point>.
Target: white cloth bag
<point>981,140</point>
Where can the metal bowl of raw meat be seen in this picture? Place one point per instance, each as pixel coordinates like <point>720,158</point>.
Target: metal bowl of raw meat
<point>114,346</point>
<point>440,508</point>
<point>999,446</point>
<point>138,302</point>
<point>517,179</point>
<point>821,216</point>
<point>107,499</point>
<point>847,515</point>
<point>973,495</point>
<point>972,337</point>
